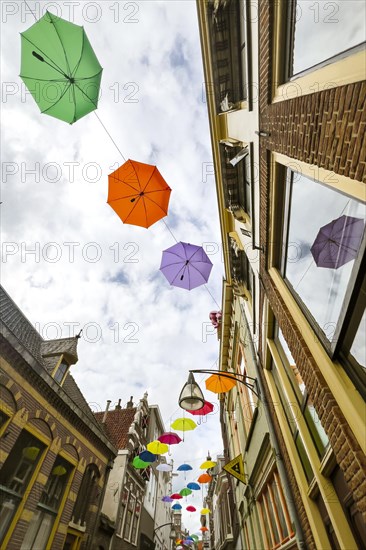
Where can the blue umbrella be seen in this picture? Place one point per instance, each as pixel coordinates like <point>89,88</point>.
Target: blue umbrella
<point>194,486</point>
<point>176,507</point>
<point>146,456</point>
<point>184,468</point>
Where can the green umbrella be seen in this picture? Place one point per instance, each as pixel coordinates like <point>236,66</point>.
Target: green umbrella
<point>60,68</point>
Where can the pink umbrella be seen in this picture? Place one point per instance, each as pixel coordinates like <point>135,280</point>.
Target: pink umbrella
<point>206,409</point>
<point>170,438</point>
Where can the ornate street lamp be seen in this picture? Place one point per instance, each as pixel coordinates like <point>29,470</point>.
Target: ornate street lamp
<point>172,534</point>
<point>191,397</point>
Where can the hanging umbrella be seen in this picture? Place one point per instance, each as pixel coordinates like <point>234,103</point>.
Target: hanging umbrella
<point>138,193</point>
<point>220,384</point>
<point>140,464</point>
<point>193,486</point>
<point>185,492</point>
<point>206,409</point>
<point>164,468</point>
<point>170,438</point>
<point>205,511</point>
<point>338,242</point>
<point>195,538</point>
<point>167,499</point>
<point>188,542</point>
<point>203,529</point>
<point>184,468</point>
<point>186,265</point>
<point>176,496</point>
<point>191,509</point>
<point>184,424</point>
<point>60,68</point>
<point>146,456</point>
<point>204,478</point>
<point>208,464</point>
<point>157,448</point>
<point>176,507</point>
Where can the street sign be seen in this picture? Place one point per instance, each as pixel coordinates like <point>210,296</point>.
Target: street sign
<point>236,468</point>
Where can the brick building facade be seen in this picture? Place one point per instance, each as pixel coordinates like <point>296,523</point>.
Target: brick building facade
<point>55,457</point>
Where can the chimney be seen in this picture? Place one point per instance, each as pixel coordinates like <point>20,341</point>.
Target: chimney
<point>118,406</point>
<point>106,411</point>
<point>130,403</point>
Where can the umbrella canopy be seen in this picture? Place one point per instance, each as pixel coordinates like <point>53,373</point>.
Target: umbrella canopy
<point>208,464</point>
<point>191,509</point>
<point>157,448</point>
<point>176,506</point>
<point>186,265</point>
<point>206,409</point>
<point>184,424</point>
<point>184,468</point>
<point>195,538</point>
<point>170,438</point>
<point>176,496</point>
<point>140,464</point>
<point>138,193</point>
<point>167,499</point>
<point>338,242</point>
<point>60,68</point>
<point>204,478</point>
<point>164,468</point>
<point>203,529</point>
<point>193,486</point>
<point>220,384</point>
<point>185,492</point>
<point>205,511</point>
<point>146,456</point>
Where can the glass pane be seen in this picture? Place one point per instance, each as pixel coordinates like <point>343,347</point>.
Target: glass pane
<point>272,518</point>
<point>279,509</point>
<point>304,458</point>
<point>358,348</point>
<point>324,237</point>
<point>323,29</point>
<point>38,532</point>
<point>8,506</point>
<point>292,372</point>
<point>316,429</point>
<point>54,490</point>
<point>266,523</point>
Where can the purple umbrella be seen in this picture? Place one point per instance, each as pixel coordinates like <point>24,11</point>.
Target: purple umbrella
<point>186,265</point>
<point>338,242</point>
<point>167,499</point>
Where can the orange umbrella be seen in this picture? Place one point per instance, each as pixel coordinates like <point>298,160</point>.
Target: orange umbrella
<point>204,478</point>
<point>203,529</point>
<point>138,193</point>
<point>220,384</point>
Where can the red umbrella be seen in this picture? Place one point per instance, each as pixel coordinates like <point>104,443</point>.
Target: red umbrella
<point>176,496</point>
<point>191,509</point>
<point>206,409</point>
<point>170,438</point>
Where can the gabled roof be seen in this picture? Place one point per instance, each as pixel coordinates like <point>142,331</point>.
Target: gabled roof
<point>117,424</point>
<point>43,350</point>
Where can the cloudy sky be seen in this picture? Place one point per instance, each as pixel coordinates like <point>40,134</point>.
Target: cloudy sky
<point>87,269</point>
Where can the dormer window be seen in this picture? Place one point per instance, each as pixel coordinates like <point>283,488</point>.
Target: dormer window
<point>60,371</point>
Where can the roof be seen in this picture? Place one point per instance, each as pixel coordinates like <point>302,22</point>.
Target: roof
<point>117,424</point>
<point>43,350</point>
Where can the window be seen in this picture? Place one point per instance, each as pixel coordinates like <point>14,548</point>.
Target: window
<point>86,494</point>
<point>129,513</point>
<point>237,172</point>
<point>48,507</point>
<point>323,29</point>
<point>122,511</point>
<point>274,516</point>
<point>129,516</point>
<point>15,476</point>
<point>321,261</point>
<point>305,405</point>
<point>3,418</point>
<point>60,372</point>
<point>247,397</point>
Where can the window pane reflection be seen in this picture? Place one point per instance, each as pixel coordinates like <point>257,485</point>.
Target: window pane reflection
<point>312,207</point>
<point>323,29</point>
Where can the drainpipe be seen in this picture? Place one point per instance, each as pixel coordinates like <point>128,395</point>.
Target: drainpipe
<point>274,441</point>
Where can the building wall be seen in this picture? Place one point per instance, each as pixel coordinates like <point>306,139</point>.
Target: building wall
<point>319,135</point>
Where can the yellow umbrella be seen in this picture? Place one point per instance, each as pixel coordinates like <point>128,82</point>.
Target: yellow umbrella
<point>207,465</point>
<point>157,448</point>
<point>205,511</point>
<point>184,424</point>
<point>220,384</point>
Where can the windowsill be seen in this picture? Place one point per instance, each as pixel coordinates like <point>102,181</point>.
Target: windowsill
<point>77,526</point>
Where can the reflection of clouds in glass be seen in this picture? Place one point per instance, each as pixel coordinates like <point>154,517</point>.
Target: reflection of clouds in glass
<point>324,29</point>
<point>322,290</point>
<point>358,349</point>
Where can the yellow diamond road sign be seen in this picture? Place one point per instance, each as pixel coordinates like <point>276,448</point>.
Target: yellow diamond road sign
<point>236,468</point>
